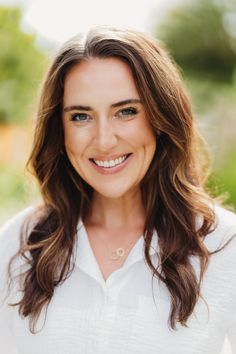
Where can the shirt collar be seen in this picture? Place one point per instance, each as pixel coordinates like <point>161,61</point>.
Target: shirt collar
<point>87,262</point>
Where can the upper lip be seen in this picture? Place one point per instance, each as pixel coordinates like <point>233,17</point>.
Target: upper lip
<point>108,158</point>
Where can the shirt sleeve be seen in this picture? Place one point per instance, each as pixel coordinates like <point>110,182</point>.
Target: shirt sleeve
<point>232,335</point>
<point>6,337</point>
<point>9,245</point>
<point>226,229</point>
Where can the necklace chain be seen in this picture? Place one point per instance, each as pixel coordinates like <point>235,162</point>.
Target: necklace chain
<point>118,253</point>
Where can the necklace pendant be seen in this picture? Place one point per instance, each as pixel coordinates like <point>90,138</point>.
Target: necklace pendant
<point>120,252</point>
<point>117,254</point>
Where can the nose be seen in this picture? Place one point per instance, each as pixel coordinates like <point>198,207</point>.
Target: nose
<point>106,137</point>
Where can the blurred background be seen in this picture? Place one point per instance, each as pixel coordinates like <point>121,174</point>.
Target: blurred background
<point>200,35</point>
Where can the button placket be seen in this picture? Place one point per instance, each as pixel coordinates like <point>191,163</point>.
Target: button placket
<point>108,315</point>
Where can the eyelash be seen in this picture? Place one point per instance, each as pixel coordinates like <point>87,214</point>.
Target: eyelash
<point>73,116</point>
<point>132,111</point>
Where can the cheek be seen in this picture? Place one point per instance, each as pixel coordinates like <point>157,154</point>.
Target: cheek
<point>71,145</point>
<point>74,141</point>
<point>152,142</point>
<point>146,137</point>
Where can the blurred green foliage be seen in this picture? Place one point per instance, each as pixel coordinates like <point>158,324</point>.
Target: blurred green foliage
<point>225,177</point>
<point>202,38</point>
<point>21,67</point>
<point>17,190</point>
<point>222,181</point>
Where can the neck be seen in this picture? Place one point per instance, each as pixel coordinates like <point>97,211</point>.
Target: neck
<point>117,213</point>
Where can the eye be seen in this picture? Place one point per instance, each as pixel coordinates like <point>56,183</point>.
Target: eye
<point>127,112</point>
<point>80,117</point>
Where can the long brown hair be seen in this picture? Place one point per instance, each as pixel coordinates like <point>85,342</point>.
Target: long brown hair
<point>173,189</point>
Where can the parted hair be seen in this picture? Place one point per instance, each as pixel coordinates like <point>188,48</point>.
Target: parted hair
<point>174,194</point>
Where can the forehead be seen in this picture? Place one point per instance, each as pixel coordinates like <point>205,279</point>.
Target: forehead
<point>97,79</point>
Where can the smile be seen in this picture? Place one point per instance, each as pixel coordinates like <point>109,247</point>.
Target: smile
<point>112,166</point>
<point>110,163</point>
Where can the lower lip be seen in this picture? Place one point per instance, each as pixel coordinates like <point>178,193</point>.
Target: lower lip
<point>111,170</point>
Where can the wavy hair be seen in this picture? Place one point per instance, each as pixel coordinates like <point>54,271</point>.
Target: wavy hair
<point>173,190</point>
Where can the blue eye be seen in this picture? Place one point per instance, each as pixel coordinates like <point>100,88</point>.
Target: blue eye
<point>127,112</point>
<point>80,117</point>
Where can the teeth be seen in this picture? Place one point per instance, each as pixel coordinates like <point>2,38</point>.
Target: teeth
<point>110,163</point>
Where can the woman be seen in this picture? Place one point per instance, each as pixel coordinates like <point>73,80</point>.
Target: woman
<point>127,253</point>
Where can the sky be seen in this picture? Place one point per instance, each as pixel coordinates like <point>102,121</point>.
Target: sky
<point>59,20</point>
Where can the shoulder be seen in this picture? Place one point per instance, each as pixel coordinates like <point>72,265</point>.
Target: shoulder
<point>224,229</point>
<point>10,240</point>
<point>11,228</point>
<point>10,232</point>
<point>18,218</point>
<point>219,285</point>
<point>225,219</point>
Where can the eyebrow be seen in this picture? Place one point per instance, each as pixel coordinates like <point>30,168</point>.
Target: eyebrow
<point>114,105</point>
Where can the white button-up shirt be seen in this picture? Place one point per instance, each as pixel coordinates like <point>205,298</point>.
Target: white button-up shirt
<point>123,314</point>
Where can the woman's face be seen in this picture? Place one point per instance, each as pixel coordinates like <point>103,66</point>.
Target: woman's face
<point>108,138</point>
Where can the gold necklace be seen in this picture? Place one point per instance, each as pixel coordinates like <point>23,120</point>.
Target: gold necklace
<point>119,252</point>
